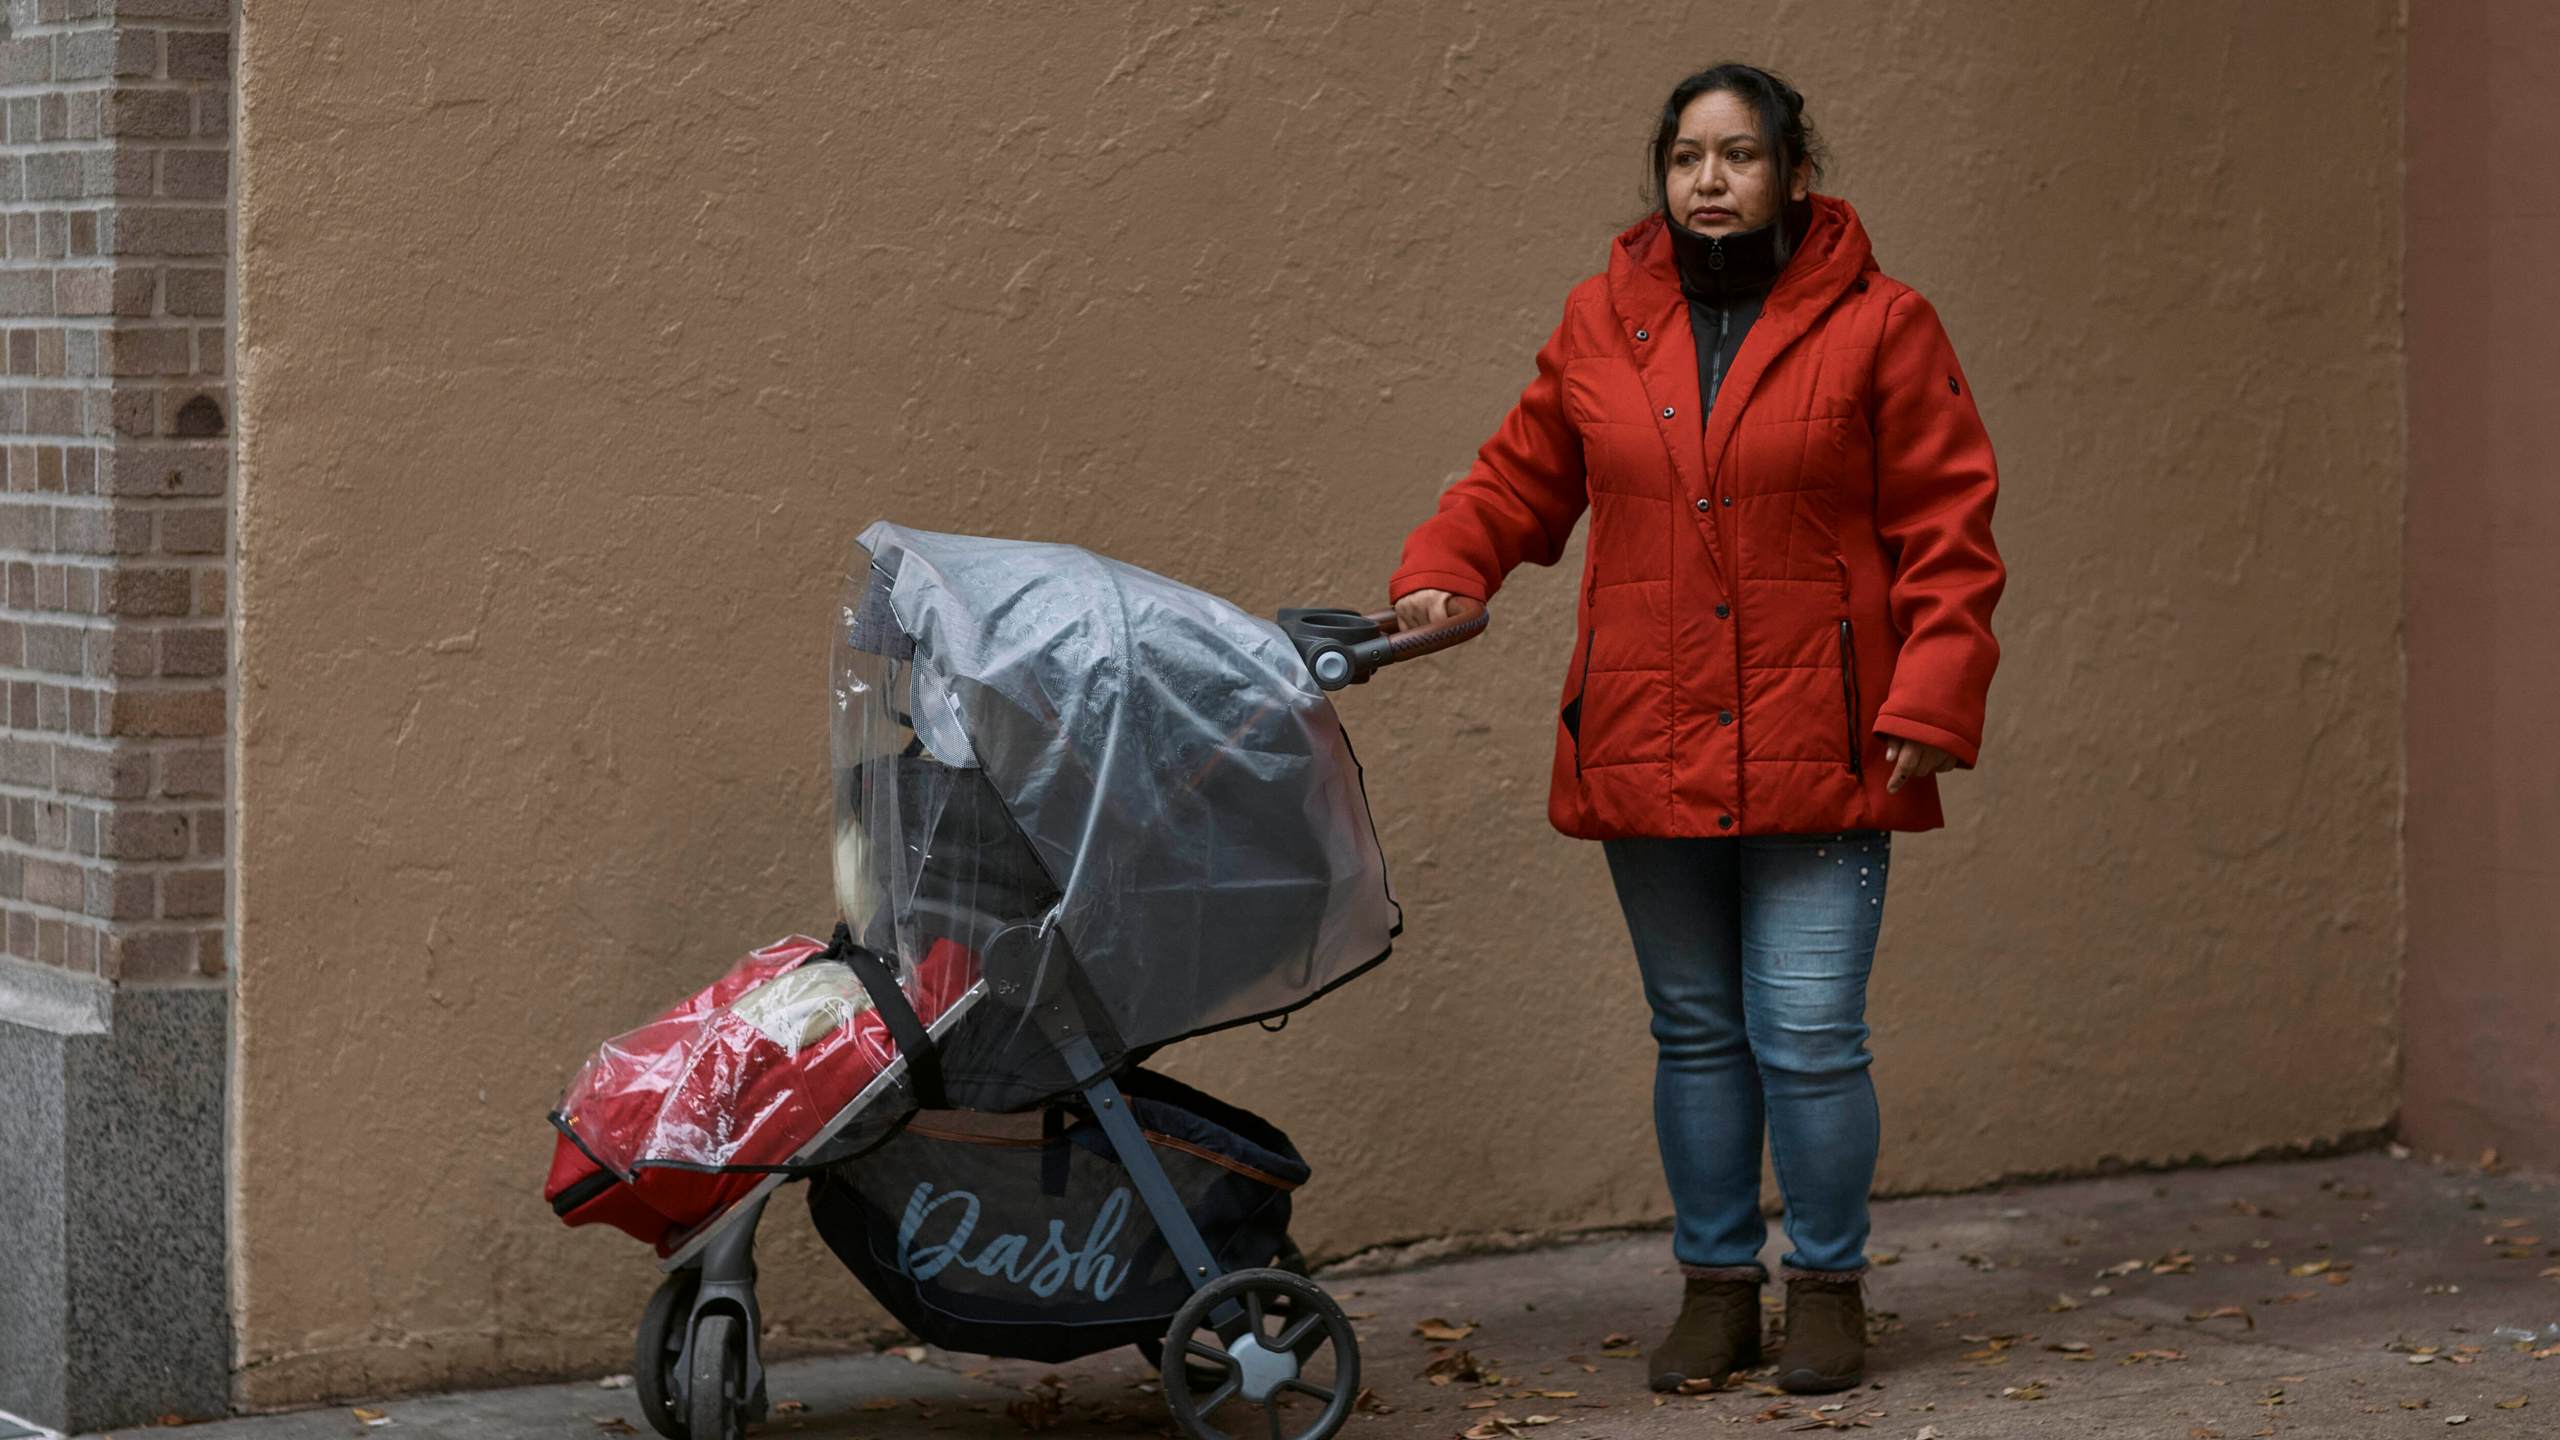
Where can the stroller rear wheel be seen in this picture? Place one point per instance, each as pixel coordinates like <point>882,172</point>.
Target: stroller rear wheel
<point>659,1350</point>
<point>1267,1350</point>
<point>716,1388</point>
<point>1291,1259</point>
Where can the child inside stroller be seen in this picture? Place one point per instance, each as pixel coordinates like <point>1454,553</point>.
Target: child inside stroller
<point>1083,812</point>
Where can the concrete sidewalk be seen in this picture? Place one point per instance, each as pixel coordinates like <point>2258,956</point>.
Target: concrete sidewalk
<point>2355,1296</point>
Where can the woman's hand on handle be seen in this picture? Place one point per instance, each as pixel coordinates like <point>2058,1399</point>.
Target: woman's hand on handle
<point>1912,759</point>
<point>1424,607</point>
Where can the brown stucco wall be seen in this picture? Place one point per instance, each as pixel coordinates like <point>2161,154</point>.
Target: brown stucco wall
<point>577,342</point>
<point>2481,1003</point>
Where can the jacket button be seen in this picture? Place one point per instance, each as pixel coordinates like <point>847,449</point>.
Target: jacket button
<point>1724,822</point>
<point>1724,717</point>
<point>1666,412</point>
<point>1722,610</point>
<point>1641,335</point>
<point>1728,499</point>
<point>1702,504</point>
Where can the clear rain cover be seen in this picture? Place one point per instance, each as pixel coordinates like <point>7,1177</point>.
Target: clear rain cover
<point>1124,797</point>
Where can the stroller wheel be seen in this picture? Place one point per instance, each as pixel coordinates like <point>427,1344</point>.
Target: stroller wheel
<point>1268,1341</point>
<point>716,1388</point>
<point>1205,1375</point>
<point>657,1351</point>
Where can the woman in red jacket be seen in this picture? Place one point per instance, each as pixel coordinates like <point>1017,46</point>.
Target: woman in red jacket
<point>1782,637</point>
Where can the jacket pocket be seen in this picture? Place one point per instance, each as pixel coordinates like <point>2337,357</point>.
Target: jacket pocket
<point>1849,696</point>
<point>1572,714</point>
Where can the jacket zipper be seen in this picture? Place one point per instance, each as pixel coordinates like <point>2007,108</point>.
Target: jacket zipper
<point>1715,363</point>
<point>1849,695</point>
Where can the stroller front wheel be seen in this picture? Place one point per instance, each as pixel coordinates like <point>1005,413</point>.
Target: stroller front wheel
<point>716,1385</point>
<point>1260,1337</point>
<point>659,1349</point>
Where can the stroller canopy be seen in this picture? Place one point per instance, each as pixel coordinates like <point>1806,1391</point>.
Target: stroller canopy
<point>1127,794</point>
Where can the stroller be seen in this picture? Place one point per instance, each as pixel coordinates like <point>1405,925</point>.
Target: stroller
<point>1082,812</point>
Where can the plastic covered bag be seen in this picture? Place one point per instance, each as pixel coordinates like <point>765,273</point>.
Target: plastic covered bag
<point>668,1124</point>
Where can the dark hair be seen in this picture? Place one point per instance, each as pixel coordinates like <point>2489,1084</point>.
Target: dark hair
<point>1783,129</point>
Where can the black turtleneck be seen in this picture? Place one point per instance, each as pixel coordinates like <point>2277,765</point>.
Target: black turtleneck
<point>1725,279</point>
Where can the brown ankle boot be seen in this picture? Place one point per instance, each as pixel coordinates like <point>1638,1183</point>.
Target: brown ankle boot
<point>1718,1331</point>
<point>1826,1344</point>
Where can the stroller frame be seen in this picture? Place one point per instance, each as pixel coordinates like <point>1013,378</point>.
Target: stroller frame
<point>700,1374</point>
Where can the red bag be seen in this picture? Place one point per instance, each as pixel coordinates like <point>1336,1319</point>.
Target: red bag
<point>670,1124</point>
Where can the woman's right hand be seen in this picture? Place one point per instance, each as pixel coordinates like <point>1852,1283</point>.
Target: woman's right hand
<point>1424,607</point>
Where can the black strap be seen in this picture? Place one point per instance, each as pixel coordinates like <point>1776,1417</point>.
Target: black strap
<point>924,1066</point>
<point>1053,1152</point>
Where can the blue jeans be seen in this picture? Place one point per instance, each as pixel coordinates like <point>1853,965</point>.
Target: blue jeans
<point>1755,951</point>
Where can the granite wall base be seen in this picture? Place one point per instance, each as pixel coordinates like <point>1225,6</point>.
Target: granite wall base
<point>114,1299</point>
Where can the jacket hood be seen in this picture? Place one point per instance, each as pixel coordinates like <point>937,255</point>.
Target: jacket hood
<point>1644,273</point>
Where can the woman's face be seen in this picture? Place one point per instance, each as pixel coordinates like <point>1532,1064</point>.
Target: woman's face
<point>1720,179</point>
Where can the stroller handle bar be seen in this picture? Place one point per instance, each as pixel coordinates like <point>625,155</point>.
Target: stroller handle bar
<point>1346,647</point>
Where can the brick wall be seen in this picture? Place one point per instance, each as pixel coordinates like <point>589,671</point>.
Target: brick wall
<point>115,184</point>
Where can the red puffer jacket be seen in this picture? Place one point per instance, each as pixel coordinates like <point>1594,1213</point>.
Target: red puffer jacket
<point>1762,602</point>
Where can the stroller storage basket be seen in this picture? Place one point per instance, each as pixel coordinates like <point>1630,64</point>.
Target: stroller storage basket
<point>1023,1235</point>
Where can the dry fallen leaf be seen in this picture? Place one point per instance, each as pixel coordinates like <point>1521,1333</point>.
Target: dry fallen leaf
<point>616,1425</point>
<point>2226,1312</point>
<point>2121,1267</point>
<point>1042,1408</point>
<point>2032,1390</point>
<point>2061,1302</point>
<point>2315,1267</point>
<point>2457,1419</point>
<point>2069,1347</point>
<point>912,1354</point>
<point>789,1407</point>
<point>2203,1432</point>
<point>1480,1405</point>
<point>1368,1403</point>
<point>2517,1403</point>
<point>1927,1432</point>
<point>1441,1330</point>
